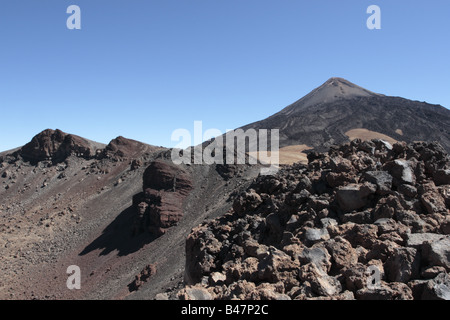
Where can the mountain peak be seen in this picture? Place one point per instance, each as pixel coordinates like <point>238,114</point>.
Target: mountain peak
<point>332,90</point>
<point>337,79</point>
<point>336,88</point>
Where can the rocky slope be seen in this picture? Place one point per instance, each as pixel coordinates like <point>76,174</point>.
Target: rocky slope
<point>120,212</point>
<point>329,229</point>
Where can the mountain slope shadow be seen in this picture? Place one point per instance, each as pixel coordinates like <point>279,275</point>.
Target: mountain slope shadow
<point>118,235</point>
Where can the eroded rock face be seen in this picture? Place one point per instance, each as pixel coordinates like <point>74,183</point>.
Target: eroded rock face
<point>367,220</point>
<point>160,206</point>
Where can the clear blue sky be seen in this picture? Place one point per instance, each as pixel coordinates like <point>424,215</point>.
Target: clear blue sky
<point>143,68</point>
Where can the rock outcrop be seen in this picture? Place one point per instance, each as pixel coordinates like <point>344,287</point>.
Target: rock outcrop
<point>367,220</point>
<point>56,146</point>
<point>160,205</point>
<point>121,148</point>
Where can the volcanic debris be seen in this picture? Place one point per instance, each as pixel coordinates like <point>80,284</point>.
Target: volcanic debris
<point>367,220</point>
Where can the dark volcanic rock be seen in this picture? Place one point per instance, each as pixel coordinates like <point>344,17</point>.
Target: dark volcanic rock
<point>403,265</point>
<point>438,288</point>
<point>381,179</point>
<point>143,277</point>
<point>307,235</point>
<point>437,253</point>
<point>354,196</point>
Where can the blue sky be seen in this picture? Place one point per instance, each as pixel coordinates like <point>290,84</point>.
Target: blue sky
<point>143,68</point>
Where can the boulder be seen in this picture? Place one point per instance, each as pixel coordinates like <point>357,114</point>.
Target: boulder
<point>160,206</point>
<point>442,177</point>
<point>438,288</point>
<point>194,293</point>
<point>266,291</point>
<point>354,196</point>
<point>407,190</point>
<point>437,253</point>
<point>416,240</point>
<point>386,291</point>
<point>342,252</point>
<point>314,235</point>
<point>321,283</point>
<point>247,202</point>
<point>382,179</point>
<point>402,172</point>
<point>403,265</point>
<point>277,266</point>
<point>433,202</point>
<point>316,255</point>
<point>445,226</point>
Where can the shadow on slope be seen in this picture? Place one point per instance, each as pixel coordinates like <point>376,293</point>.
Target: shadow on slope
<point>119,236</point>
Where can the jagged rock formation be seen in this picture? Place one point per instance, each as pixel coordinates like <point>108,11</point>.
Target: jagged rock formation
<point>160,205</point>
<point>328,229</point>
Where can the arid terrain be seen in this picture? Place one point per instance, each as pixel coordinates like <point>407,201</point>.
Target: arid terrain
<point>364,181</point>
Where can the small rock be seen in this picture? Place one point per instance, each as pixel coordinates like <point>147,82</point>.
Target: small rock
<point>442,177</point>
<point>382,179</point>
<point>437,253</point>
<point>401,171</point>
<point>314,235</point>
<point>438,288</point>
<point>342,252</point>
<point>326,222</point>
<point>354,196</point>
<point>217,278</point>
<point>194,293</point>
<point>416,240</point>
<point>321,283</point>
<point>162,296</point>
<point>433,202</point>
<point>403,265</point>
<point>318,256</point>
<point>386,291</point>
<point>407,190</point>
<point>432,272</point>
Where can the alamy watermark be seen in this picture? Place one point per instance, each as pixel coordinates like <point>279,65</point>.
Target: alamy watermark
<point>374,277</point>
<point>374,21</point>
<point>74,280</point>
<point>234,147</point>
<point>74,20</point>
